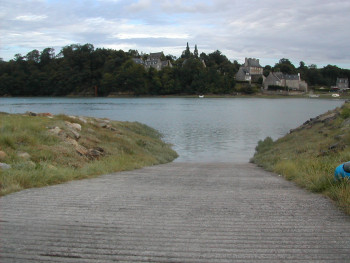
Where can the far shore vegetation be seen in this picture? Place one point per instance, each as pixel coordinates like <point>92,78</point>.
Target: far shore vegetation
<point>40,149</point>
<point>82,70</point>
<point>309,155</point>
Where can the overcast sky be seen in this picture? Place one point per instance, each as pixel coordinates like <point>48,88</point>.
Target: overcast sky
<point>315,31</point>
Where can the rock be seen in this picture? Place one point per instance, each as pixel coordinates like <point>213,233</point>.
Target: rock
<point>75,126</point>
<point>74,134</point>
<point>327,117</point>
<point>2,155</point>
<point>5,166</point>
<point>82,119</point>
<point>30,113</point>
<point>71,141</point>
<point>337,146</point>
<point>82,150</point>
<point>45,114</point>
<point>24,155</point>
<point>103,125</point>
<point>95,153</point>
<point>55,130</point>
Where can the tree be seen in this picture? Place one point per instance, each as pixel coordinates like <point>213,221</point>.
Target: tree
<point>46,56</point>
<point>195,53</point>
<point>187,52</point>
<point>33,56</point>
<point>285,66</point>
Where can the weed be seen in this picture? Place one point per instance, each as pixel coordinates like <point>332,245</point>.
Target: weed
<point>54,158</point>
<point>309,158</point>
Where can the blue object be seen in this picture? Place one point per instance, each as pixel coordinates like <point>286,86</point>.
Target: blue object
<point>342,171</point>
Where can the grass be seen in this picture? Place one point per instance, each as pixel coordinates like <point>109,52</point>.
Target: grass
<point>309,155</point>
<point>57,158</point>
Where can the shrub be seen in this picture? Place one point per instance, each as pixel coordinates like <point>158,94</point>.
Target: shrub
<point>264,145</point>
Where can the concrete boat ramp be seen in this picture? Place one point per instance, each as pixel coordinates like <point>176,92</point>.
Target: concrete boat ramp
<point>177,212</point>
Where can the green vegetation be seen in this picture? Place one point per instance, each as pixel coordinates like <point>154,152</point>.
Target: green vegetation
<point>309,155</point>
<point>45,150</point>
<point>80,69</point>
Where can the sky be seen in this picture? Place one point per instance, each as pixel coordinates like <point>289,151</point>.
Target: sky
<point>313,31</point>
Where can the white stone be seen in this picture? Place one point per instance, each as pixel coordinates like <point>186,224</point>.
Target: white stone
<point>5,166</point>
<point>74,125</point>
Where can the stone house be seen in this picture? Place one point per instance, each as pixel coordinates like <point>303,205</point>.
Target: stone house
<point>293,82</point>
<point>154,60</point>
<point>250,71</point>
<point>342,83</point>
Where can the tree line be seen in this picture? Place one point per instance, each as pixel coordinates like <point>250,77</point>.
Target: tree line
<point>80,69</point>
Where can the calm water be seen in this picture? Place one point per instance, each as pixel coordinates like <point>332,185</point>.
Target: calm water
<point>201,130</point>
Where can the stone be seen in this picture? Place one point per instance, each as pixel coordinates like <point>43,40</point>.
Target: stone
<point>74,134</point>
<point>45,114</point>
<point>82,150</point>
<point>82,119</point>
<point>75,126</point>
<point>2,155</point>
<point>5,166</point>
<point>71,141</point>
<point>328,117</point>
<point>30,113</point>
<point>24,155</point>
<point>55,130</point>
<point>95,153</point>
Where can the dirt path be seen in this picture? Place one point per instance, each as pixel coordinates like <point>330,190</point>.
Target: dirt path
<point>178,212</point>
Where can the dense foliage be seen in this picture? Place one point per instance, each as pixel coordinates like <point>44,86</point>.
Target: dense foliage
<point>79,69</point>
<point>326,76</point>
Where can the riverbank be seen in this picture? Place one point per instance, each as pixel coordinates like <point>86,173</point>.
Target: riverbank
<point>309,154</point>
<point>42,149</point>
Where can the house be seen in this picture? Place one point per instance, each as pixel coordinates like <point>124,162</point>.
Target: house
<point>250,71</point>
<point>293,82</point>
<point>154,60</point>
<point>342,84</point>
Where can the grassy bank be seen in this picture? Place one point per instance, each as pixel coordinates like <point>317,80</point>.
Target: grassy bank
<point>41,150</point>
<point>309,154</point>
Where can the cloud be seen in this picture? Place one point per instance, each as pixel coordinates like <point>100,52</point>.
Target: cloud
<point>31,17</point>
<point>310,30</point>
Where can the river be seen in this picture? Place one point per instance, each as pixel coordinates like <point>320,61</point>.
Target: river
<point>200,129</point>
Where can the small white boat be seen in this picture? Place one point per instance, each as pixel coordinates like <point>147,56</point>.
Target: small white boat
<point>314,96</point>
<point>201,96</point>
<point>335,95</point>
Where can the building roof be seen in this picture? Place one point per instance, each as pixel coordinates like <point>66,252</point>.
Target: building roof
<point>155,55</point>
<point>252,62</point>
<point>281,75</point>
<point>291,77</point>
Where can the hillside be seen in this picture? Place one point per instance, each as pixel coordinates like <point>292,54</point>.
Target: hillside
<point>309,154</point>
<point>41,149</point>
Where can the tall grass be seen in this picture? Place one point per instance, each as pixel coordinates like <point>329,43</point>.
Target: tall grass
<point>53,160</point>
<point>310,155</point>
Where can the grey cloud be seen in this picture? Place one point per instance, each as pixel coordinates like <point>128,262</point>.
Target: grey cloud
<point>311,30</point>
